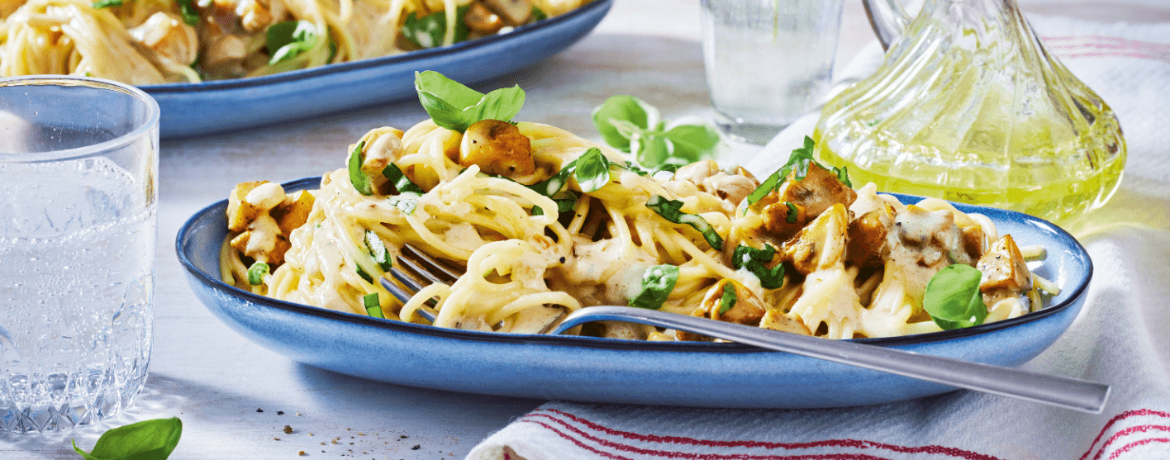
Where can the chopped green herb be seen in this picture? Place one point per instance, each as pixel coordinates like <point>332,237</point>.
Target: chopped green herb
<point>553,185</point>
<point>793,213</point>
<point>256,273</point>
<point>657,282</point>
<point>429,31</point>
<point>362,273</point>
<point>455,106</point>
<point>405,202</point>
<point>798,163</point>
<point>953,299</point>
<point>592,171</point>
<point>106,3</point>
<point>288,39</point>
<point>360,182</point>
<point>538,14</point>
<point>399,180</point>
<point>145,440</point>
<point>754,261</point>
<point>728,300</point>
<point>373,305</point>
<point>670,210</point>
<point>188,11</point>
<point>378,250</point>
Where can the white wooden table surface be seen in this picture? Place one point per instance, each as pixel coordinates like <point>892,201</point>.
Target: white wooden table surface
<point>235,397</point>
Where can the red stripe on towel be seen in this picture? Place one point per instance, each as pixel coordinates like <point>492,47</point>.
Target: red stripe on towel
<point>1131,445</point>
<point>1126,432</point>
<point>694,456</point>
<point>850,443</point>
<point>1118,418</point>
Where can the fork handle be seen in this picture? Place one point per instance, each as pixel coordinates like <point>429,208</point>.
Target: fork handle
<point>1053,390</point>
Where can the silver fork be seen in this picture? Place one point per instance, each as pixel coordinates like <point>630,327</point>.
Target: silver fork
<point>419,269</point>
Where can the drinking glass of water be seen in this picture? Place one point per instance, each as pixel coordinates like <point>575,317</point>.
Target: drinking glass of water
<point>78,192</point>
<point>768,61</point>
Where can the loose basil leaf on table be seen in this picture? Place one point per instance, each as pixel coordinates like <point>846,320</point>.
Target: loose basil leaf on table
<point>430,30</point>
<point>953,299</point>
<point>454,106</point>
<point>657,282</point>
<point>289,39</point>
<point>145,440</point>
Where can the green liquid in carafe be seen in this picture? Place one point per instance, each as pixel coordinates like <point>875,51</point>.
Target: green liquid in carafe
<point>981,118</point>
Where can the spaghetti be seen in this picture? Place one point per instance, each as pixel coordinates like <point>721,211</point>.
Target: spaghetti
<point>545,233</point>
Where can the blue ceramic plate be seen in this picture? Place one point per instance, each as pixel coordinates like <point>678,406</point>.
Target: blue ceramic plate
<point>619,371</point>
<point>190,109</point>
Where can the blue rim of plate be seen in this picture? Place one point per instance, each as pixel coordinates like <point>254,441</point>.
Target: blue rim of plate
<point>327,69</point>
<point>597,342</point>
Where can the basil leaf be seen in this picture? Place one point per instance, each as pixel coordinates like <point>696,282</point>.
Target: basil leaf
<point>378,250</point>
<point>360,182</point>
<point>256,273</point>
<point>405,202</point>
<point>106,3</point>
<point>592,171</point>
<point>728,300</point>
<point>145,440</point>
<point>188,11</point>
<point>538,14</point>
<point>793,213</point>
<point>618,109</point>
<point>553,185</point>
<point>429,31</point>
<point>953,299</point>
<point>843,175</point>
<point>373,305</point>
<point>754,261</point>
<point>399,180</point>
<point>657,282</point>
<point>693,142</point>
<point>288,39</point>
<point>455,106</point>
<point>652,149</point>
<point>669,210</point>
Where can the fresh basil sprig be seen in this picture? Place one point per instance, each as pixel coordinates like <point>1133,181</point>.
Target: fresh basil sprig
<point>592,170</point>
<point>631,125</point>
<point>378,250</point>
<point>657,282</point>
<point>373,305</point>
<point>455,106</point>
<point>798,162</point>
<point>357,177</point>
<point>256,273</point>
<point>728,300</point>
<point>953,299</point>
<point>754,259</point>
<point>429,31</point>
<point>289,39</point>
<point>145,440</point>
<point>670,210</point>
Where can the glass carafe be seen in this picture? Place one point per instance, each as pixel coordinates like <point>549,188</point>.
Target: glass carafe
<point>970,107</point>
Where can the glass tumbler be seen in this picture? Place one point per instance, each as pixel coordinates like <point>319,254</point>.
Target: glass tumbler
<point>78,192</point>
<point>768,61</point>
